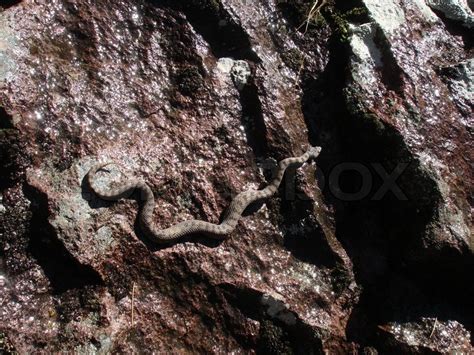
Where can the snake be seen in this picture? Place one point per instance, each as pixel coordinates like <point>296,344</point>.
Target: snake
<point>217,231</point>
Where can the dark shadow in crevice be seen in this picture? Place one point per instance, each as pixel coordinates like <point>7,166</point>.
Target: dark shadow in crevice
<point>383,237</point>
<point>295,13</point>
<point>62,270</point>
<point>303,236</point>
<point>391,73</point>
<point>253,121</point>
<point>77,303</point>
<point>6,121</point>
<point>275,336</point>
<point>13,161</point>
<point>430,289</point>
<point>9,3</point>
<point>457,29</point>
<point>215,25</point>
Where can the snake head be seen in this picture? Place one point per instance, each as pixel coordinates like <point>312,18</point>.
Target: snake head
<point>314,152</point>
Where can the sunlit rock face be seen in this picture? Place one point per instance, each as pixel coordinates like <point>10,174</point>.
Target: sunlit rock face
<point>201,99</point>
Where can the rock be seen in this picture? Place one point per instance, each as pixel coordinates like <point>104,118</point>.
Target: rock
<point>238,69</point>
<point>428,335</point>
<point>460,80</point>
<point>382,75</point>
<point>2,207</point>
<point>457,10</point>
<point>201,99</point>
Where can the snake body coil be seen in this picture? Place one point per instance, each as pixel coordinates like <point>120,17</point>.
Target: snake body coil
<point>217,231</point>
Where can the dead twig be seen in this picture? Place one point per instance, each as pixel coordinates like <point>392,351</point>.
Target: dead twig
<point>315,9</point>
<point>301,68</point>
<point>434,327</point>
<point>133,304</point>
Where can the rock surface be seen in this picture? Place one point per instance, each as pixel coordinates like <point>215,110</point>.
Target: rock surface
<point>201,98</point>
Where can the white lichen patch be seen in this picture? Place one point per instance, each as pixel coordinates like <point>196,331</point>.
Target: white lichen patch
<point>103,346</point>
<point>104,238</point>
<point>366,58</point>
<point>3,280</point>
<point>70,211</point>
<point>8,48</point>
<point>239,71</point>
<point>457,10</point>
<point>426,11</point>
<point>225,65</point>
<point>77,211</point>
<point>278,309</point>
<point>466,78</point>
<point>2,207</point>
<point>462,85</point>
<point>387,14</point>
<point>454,222</point>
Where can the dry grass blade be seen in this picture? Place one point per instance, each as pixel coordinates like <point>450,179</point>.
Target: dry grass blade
<point>133,304</point>
<point>315,8</point>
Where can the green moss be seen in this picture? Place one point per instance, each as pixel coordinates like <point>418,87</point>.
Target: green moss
<point>341,26</point>
<point>341,20</point>
<point>189,80</point>
<point>357,14</point>
<point>273,340</point>
<point>316,20</point>
<point>300,16</point>
<point>293,58</point>
<point>319,20</point>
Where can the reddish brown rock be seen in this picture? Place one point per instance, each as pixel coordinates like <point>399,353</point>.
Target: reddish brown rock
<point>200,99</point>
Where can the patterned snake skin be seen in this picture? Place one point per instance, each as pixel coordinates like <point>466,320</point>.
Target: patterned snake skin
<point>217,231</point>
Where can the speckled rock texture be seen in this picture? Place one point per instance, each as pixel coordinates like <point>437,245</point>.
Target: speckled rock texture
<point>201,98</point>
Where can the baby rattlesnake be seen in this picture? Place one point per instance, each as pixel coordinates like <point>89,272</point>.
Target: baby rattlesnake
<point>217,231</point>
